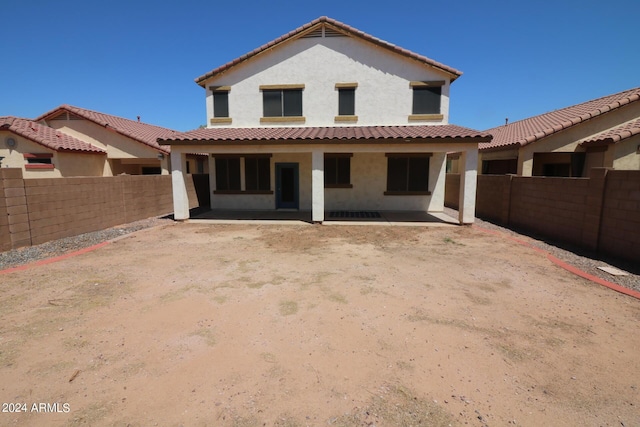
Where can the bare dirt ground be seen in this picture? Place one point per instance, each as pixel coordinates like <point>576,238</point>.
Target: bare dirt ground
<point>236,325</point>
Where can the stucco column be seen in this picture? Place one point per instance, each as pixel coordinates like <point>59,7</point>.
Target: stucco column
<point>468,181</point>
<point>164,165</point>
<point>180,197</point>
<point>317,186</point>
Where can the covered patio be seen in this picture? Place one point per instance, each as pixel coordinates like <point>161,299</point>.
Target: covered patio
<point>331,217</point>
<point>397,173</point>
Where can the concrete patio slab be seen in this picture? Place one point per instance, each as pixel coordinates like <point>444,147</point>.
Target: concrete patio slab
<point>433,219</point>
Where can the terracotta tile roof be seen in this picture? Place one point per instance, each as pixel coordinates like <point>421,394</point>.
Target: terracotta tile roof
<point>323,20</point>
<point>532,129</point>
<point>46,136</point>
<point>342,133</point>
<point>141,132</point>
<point>616,134</point>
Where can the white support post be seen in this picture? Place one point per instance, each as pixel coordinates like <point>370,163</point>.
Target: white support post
<point>180,197</point>
<point>317,186</point>
<point>468,181</point>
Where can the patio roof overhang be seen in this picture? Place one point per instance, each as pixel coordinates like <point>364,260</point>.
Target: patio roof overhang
<point>328,135</point>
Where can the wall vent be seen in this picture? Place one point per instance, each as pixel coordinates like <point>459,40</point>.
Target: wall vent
<point>323,31</point>
<point>315,33</point>
<point>330,32</point>
<point>64,115</point>
<point>61,116</point>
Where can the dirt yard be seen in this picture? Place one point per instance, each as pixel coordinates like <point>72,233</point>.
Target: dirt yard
<point>268,325</point>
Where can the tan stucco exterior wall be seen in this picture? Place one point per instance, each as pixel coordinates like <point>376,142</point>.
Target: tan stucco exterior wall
<point>65,164</point>
<point>118,147</point>
<point>74,164</point>
<point>14,158</point>
<point>369,180</point>
<point>627,154</point>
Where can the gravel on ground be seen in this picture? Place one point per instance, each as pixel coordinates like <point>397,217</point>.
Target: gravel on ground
<point>29,254</point>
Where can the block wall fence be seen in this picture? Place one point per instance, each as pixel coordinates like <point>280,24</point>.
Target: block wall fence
<point>600,213</point>
<point>34,211</point>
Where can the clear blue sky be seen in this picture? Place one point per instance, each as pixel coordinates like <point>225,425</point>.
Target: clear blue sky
<point>130,58</point>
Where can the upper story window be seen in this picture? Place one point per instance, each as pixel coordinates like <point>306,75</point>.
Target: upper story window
<point>427,100</point>
<point>282,103</point>
<point>220,104</point>
<point>346,102</point>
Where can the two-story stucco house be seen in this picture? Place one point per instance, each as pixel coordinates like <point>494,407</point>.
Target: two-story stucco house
<point>328,118</point>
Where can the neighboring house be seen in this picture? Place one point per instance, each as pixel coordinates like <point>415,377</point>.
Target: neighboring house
<point>603,132</point>
<point>43,152</point>
<point>328,118</point>
<point>131,146</point>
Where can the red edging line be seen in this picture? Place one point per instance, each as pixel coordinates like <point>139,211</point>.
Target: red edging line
<point>54,259</point>
<point>568,267</point>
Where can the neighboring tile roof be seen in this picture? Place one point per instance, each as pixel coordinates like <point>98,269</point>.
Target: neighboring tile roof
<point>141,132</point>
<point>616,134</point>
<point>529,130</point>
<point>349,134</point>
<point>46,136</point>
<point>323,20</point>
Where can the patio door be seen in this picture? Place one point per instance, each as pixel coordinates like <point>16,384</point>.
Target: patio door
<point>287,187</point>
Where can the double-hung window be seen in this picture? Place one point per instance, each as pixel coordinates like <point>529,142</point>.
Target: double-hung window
<point>408,174</point>
<point>427,98</point>
<point>220,104</point>
<point>337,170</point>
<point>282,103</point>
